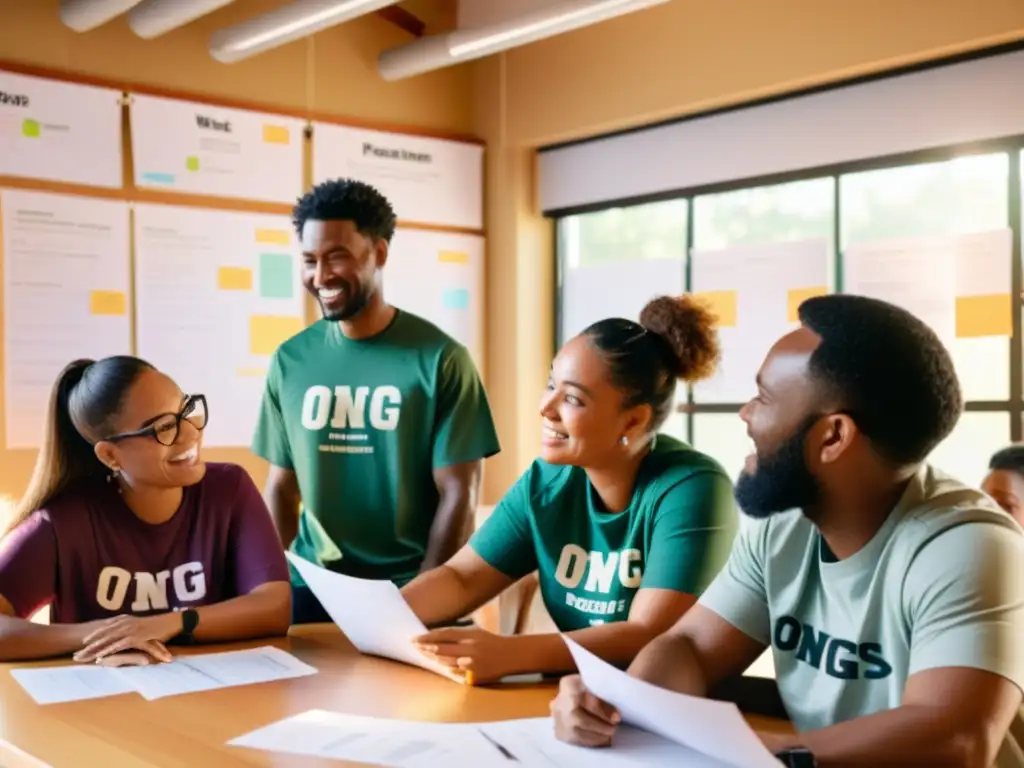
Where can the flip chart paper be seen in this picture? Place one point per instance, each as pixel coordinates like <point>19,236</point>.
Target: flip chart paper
<point>440,277</point>
<point>752,288</point>
<point>959,285</point>
<point>713,728</point>
<point>214,300</point>
<point>372,614</point>
<point>203,149</point>
<point>428,181</point>
<point>66,279</point>
<point>60,131</point>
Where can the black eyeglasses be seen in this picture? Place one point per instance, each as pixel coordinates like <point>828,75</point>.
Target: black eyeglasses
<point>165,427</point>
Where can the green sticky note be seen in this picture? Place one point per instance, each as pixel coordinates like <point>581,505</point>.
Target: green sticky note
<point>192,163</point>
<point>277,276</point>
<point>30,128</point>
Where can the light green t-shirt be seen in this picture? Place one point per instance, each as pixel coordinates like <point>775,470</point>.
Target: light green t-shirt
<point>363,424</point>
<point>941,584</point>
<point>675,534</point>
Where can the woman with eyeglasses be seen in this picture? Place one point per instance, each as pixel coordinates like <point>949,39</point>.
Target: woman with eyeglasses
<point>131,539</point>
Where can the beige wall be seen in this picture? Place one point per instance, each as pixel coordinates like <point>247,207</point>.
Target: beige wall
<point>681,58</point>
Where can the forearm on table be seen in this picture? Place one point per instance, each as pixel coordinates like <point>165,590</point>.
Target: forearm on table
<point>264,612</point>
<point>22,639</point>
<point>617,643</point>
<point>906,735</point>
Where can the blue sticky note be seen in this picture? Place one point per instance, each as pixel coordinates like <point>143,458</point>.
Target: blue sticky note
<point>158,178</point>
<point>455,298</point>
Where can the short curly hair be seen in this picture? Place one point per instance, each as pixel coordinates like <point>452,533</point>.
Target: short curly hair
<point>888,369</point>
<point>1010,458</point>
<point>347,200</point>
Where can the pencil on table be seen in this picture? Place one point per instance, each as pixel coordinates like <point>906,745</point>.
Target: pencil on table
<point>469,677</point>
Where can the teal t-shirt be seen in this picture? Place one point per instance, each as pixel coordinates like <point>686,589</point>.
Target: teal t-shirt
<point>363,424</point>
<point>941,584</point>
<point>675,534</point>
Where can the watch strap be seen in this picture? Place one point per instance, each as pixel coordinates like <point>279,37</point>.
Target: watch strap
<point>797,757</point>
<point>189,622</point>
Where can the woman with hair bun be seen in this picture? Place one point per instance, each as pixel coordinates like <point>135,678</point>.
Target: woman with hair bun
<point>624,526</point>
<point>130,538</point>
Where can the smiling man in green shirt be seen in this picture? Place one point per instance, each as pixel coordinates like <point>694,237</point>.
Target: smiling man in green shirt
<point>374,421</point>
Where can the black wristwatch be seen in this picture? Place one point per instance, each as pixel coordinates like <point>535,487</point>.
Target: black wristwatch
<point>189,622</point>
<point>797,757</point>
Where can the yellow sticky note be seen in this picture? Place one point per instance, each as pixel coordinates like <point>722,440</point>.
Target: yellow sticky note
<point>250,372</point>
<point>266,332</point>
<point>272,236</point>
<point>798,296</point>
<point>723,304</point>
<point>276,134</point>
<point>988,315</point>
<point>108,303</point>
<point>453,257</point>
<point>234,279</point>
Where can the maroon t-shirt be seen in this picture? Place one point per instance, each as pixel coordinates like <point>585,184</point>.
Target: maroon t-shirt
<point>89,557</point>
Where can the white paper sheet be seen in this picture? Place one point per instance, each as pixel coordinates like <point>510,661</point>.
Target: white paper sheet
<point>205,149</point>
<point>56,685</point>
<point>528,743</point>
<point>207,672</point>
<point>713,728</point>
<point>66,296</point>
<point>186,674</point>
<point>372,614</point>
<point>216,293</point>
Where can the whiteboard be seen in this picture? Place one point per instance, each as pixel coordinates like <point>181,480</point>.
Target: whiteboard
<point>216,293</point>
<point>428,181</point>
<point>440,277</point>
<point>204,149</point>
<point>620,289</point>
<point>60,131</point>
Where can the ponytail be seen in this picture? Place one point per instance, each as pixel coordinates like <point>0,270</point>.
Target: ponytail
<point>65,456</point>
<point>85,398</point>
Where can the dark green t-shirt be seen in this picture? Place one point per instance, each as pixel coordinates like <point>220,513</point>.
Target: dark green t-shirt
<point>675,534</point>
<point>363,424</point>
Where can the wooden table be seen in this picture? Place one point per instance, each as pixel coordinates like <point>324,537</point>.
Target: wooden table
<point>191,731</point>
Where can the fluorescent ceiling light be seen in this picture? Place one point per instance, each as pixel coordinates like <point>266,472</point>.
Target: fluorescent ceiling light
<point>436,51</point>
<point>297,19</point>
<point>152,18</point>
<point>84,15</point>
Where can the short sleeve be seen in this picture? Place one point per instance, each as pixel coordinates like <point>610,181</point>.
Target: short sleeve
<point>270,440</point>
<point>256,551</point>
<point>28,565</point>
<point>505,540</point>
<point>463,427</point>
<point>694,527</point>
<point>738,593</point>
<point>963,598</point>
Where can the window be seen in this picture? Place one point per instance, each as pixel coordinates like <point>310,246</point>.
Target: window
<point>650,231</point>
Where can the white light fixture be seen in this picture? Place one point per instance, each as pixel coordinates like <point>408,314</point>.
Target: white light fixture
<point>289,22</point>
<point>84,15</point>
<point>152,18</point>
<point>436,51</point>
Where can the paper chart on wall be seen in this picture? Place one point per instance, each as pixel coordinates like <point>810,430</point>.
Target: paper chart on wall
<point>217,292</point>
<point>60,131</point>
<point>203,149</point>
<point>440,277</point>
<point>66,275</point>
<point>755,290</point>
<point>959,285</point>
<point>428,181</point>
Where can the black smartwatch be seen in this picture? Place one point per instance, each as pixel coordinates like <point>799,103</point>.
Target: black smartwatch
<point>797,757</point>
<point>189,622</point>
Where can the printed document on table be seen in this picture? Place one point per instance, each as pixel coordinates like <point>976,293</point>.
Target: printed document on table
<point>189,674</point>
<point>527,743</point>
<point>713,728</point>
<point>372,614</point>
<point>57,685</point>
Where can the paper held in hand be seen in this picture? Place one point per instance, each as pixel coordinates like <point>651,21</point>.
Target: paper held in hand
<point>372,614</point>
<point>713,728</point>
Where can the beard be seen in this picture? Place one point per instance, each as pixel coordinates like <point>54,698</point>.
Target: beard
<point>781,481</point>
<point>355,304</point>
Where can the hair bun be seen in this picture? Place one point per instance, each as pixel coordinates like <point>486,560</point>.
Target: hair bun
<point>689,330</point>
